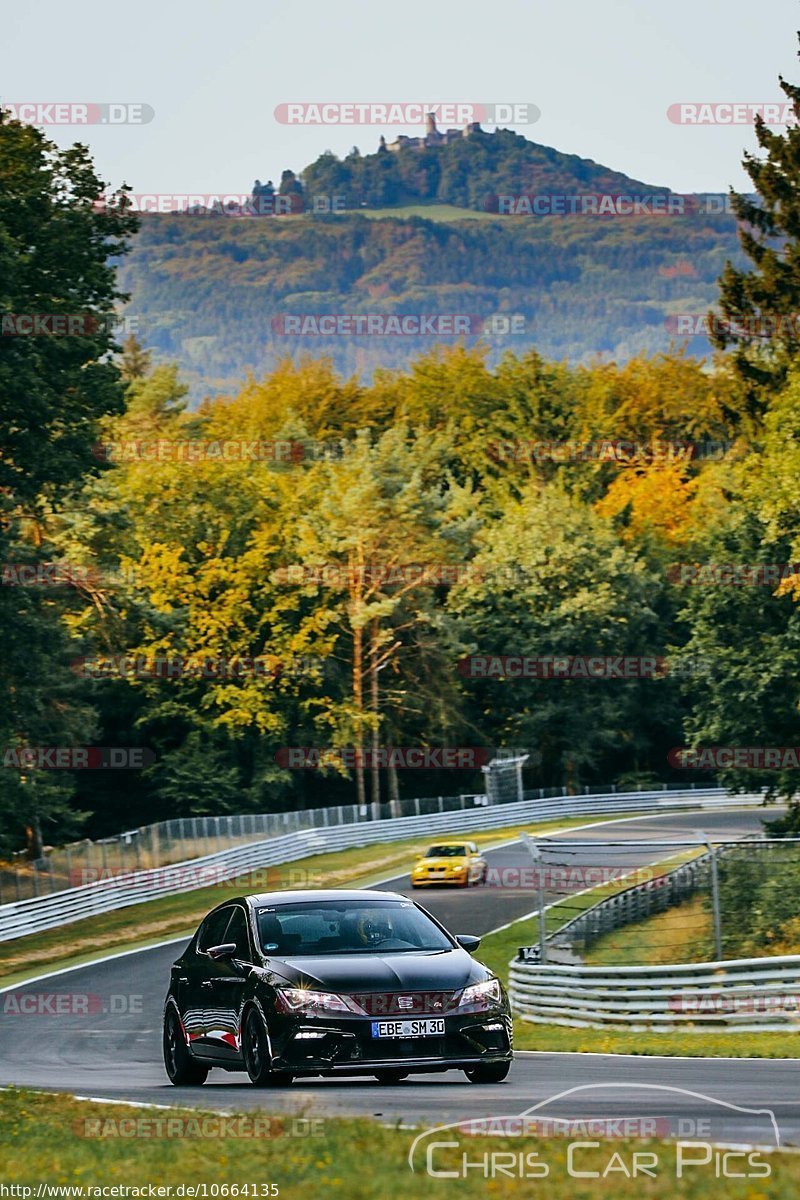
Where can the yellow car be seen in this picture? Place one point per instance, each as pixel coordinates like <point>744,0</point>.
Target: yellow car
<point>459,863</point>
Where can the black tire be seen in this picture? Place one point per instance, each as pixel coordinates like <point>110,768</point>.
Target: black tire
<point>181,1067</point>
<point>255,1047</point>
<point>390,1076</point>
<point>494,1072</point>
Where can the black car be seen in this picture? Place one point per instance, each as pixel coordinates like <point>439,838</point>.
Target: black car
<point>307,983</point>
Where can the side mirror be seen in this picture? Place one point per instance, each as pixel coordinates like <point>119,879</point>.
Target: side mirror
<point>468,941</point>
<point>218,953</point>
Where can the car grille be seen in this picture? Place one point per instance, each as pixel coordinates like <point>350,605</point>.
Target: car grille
<point>383,1005</point>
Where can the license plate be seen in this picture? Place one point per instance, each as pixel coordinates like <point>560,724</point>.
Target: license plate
<point>424,1027</point>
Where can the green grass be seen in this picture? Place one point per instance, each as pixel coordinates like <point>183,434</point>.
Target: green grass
<point>430,212</point>
<point>678,935</point>
<point>529,1035</point>
<point>45,1141</point>
<point>152,921</point>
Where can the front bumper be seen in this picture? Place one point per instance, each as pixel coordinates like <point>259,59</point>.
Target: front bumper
<point>457,880</point>
<point>347,1047</point>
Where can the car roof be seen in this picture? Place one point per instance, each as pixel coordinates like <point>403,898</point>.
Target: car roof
<point>260,899</point>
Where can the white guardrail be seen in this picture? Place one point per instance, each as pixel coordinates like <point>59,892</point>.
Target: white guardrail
<point>74,904</point>
<point>737,994</point>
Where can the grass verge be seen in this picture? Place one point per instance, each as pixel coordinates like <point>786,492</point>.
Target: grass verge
<point>678,935</point>
<point>59,1140</point>
<point>529,1035</point>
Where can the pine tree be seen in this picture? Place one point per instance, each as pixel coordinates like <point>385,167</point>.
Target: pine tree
<point>761,306</point>
<point>136,361</point>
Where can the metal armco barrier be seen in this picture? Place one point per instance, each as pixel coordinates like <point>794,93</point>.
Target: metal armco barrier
<point>633,904</point>
<point>74,904</point>
<point>743,993</point>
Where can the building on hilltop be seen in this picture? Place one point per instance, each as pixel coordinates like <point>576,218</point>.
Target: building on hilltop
<point>433,136</point>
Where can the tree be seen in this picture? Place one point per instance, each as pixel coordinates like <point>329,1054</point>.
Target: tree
<point>57,379</point>
<point>551,579</point>
<point>56,240</point>
<point>761,306</point>
<point>747,640</point>
<point>377,518</point>
<point>135,359</point>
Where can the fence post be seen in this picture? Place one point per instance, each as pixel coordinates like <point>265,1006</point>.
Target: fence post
<point>714,897</point>
<point>536,855</point>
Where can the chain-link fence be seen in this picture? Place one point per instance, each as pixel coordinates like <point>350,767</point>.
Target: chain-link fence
<point>183,838</point>
<point>649,902</point>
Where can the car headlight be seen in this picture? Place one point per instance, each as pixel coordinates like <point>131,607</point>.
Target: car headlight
<point>479,996</point>
<point>309,1003</point>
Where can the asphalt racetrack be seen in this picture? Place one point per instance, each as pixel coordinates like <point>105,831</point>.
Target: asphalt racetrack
<point>108,1041</point>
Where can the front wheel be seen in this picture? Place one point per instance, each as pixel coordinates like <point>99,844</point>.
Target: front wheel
<point>181,1067</point>
<point>488,1072</point>
<point>255,1046</point>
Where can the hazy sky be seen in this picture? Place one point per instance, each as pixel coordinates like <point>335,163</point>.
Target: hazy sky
<point>602,74</point>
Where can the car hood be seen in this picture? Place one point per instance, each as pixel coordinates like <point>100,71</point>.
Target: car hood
<point>446,970</point>
<point>450,861</point>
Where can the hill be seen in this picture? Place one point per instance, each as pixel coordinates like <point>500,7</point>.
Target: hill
<point>224,295</point>
<point>467,168</point>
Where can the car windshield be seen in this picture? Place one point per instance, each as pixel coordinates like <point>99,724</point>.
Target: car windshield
<point>446,852</point>
<point>347,927</point>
